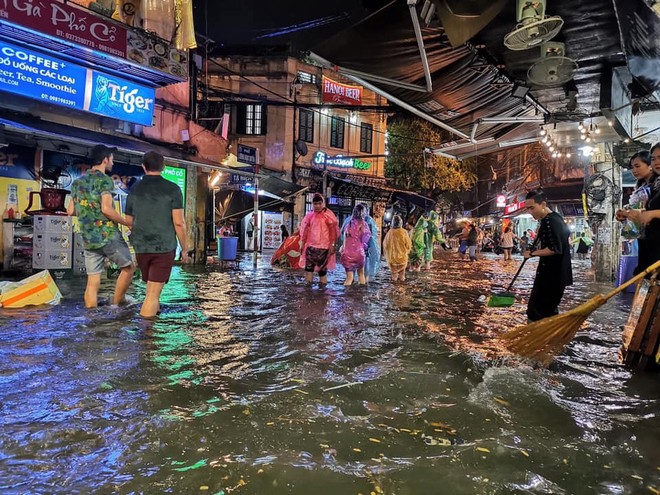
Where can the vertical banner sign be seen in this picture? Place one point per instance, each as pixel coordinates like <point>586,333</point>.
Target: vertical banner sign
<point>51,80</point>
<point>336,92</point>
<point>178,176</point>
<point>271,231</point>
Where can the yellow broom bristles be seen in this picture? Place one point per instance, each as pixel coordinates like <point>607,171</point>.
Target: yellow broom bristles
<point>542,339</point>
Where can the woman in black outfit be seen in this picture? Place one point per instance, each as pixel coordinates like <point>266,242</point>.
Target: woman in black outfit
<point>649,244</point>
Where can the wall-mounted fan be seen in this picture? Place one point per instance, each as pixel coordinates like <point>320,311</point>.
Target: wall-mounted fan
<point>601,193</point>
<point>533,27</point>
<point>554,68</point>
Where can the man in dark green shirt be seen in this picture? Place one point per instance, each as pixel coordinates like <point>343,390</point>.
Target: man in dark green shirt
<point>155,208</point>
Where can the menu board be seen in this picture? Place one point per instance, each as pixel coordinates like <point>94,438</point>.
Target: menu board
<point>272,233</point>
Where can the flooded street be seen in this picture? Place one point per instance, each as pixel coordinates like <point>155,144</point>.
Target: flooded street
<point>236,388</point>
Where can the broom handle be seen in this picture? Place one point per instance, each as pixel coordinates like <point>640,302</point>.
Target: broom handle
<point>515,277</point>
<point>517,273</point>
<point>655,266</point>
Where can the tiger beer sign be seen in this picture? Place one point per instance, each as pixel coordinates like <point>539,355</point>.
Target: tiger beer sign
<point>336,92</point>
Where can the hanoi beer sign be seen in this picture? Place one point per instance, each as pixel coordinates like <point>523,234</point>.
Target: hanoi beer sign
<point>322,158</point>
<point>336,92</point>
<point>51,80</point>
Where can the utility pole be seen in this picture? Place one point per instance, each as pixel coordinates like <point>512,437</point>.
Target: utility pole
<point>255,215</point>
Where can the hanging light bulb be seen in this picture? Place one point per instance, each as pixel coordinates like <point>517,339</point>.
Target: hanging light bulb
<point>545,139</point>
<point>543,131</point>
<point>626,140</point>
<point>597,130</point>
<point>583,136</point>
<point>588,139</point>
<point>568,154</point>
<point>552,148</point>
<point>610,123</point>
<point>581,126</point>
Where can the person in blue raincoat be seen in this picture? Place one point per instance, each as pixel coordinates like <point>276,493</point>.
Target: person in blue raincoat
<point>373,252</point>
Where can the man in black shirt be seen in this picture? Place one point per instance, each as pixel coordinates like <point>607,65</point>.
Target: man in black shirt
<point>154,207</point>
<point>554,272</point>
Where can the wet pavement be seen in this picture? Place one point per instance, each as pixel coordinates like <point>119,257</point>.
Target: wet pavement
<point>251,383</point>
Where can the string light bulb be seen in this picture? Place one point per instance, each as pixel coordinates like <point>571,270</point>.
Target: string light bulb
<point>543,131</point>
<point>581,126</point>
<point>597,130</point>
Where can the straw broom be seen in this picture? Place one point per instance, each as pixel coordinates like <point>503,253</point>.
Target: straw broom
<point>542,339</point>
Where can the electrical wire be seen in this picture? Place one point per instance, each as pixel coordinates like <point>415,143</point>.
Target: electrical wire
<point>317,111</point>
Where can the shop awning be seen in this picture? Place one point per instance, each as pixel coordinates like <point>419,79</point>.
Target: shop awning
<point>237,204</point>
<point>25,129</point>
<point>419,70</point>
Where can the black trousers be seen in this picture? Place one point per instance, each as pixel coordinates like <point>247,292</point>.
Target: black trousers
<point>545,297</point>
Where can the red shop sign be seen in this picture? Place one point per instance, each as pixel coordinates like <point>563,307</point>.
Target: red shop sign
<point>67,22</point>
<point>513,207</point>
<point>336,92</point>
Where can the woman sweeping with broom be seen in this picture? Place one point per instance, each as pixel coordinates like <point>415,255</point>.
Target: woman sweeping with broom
<point>554,272</point>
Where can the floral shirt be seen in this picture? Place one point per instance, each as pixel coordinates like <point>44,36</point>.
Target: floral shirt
<point>86,191</point>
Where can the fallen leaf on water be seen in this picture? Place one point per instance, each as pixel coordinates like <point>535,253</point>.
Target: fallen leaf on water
<point>526,454</point>
<point>246,412</point>
<point>270,424</point>
<point>324,446</point>
<point>653,490</point>
<point>301,391</point>
<point>374,440</point>
<point>637,477</point>
<point>501,401</point>
<point>203,488</point>
<point>409,431</point>
<point>482,449</point>
<point>566,461</point>
<point>357,450</point>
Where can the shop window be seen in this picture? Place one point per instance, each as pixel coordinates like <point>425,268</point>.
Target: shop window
<point>366,137</point>
<point>337,125</point>
<point>306,126</point>
<point>251,119</point>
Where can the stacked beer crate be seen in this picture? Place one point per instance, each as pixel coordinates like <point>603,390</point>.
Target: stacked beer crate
<point>52,244</point>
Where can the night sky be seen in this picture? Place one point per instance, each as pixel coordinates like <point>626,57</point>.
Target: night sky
<point>302,23</point>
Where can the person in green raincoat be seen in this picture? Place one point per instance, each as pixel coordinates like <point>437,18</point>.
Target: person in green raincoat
<point>418,240</point>
<point>584,243</point>
<point>432,235</point>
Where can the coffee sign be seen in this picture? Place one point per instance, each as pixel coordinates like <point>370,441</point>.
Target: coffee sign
<point>71,23</point>
<point>336,92</point>
<point>51,80</point>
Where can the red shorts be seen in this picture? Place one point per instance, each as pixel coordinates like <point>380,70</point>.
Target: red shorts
<point>155,267</point>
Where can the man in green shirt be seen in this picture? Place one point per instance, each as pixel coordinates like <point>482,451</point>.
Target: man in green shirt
<point>92,202</point>
<point>155,208</point>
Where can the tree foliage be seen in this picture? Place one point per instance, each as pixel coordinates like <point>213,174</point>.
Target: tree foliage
<point>412,169</point>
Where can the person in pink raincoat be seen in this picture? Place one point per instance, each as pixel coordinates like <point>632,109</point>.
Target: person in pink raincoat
<point>355,236</point>
<point>319,232</point>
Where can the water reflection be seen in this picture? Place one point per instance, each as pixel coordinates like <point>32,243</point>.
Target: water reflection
<point>251,382</point>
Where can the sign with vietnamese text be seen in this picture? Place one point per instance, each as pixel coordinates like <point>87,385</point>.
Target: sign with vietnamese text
<point>178,176</point>
<point>247,154</point>
<point>322,158</point>
<point>74,24</point>
<point>51,80</point>
<point>336,92</point>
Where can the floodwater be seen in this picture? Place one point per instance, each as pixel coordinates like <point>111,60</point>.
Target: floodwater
<point>252,383</point>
